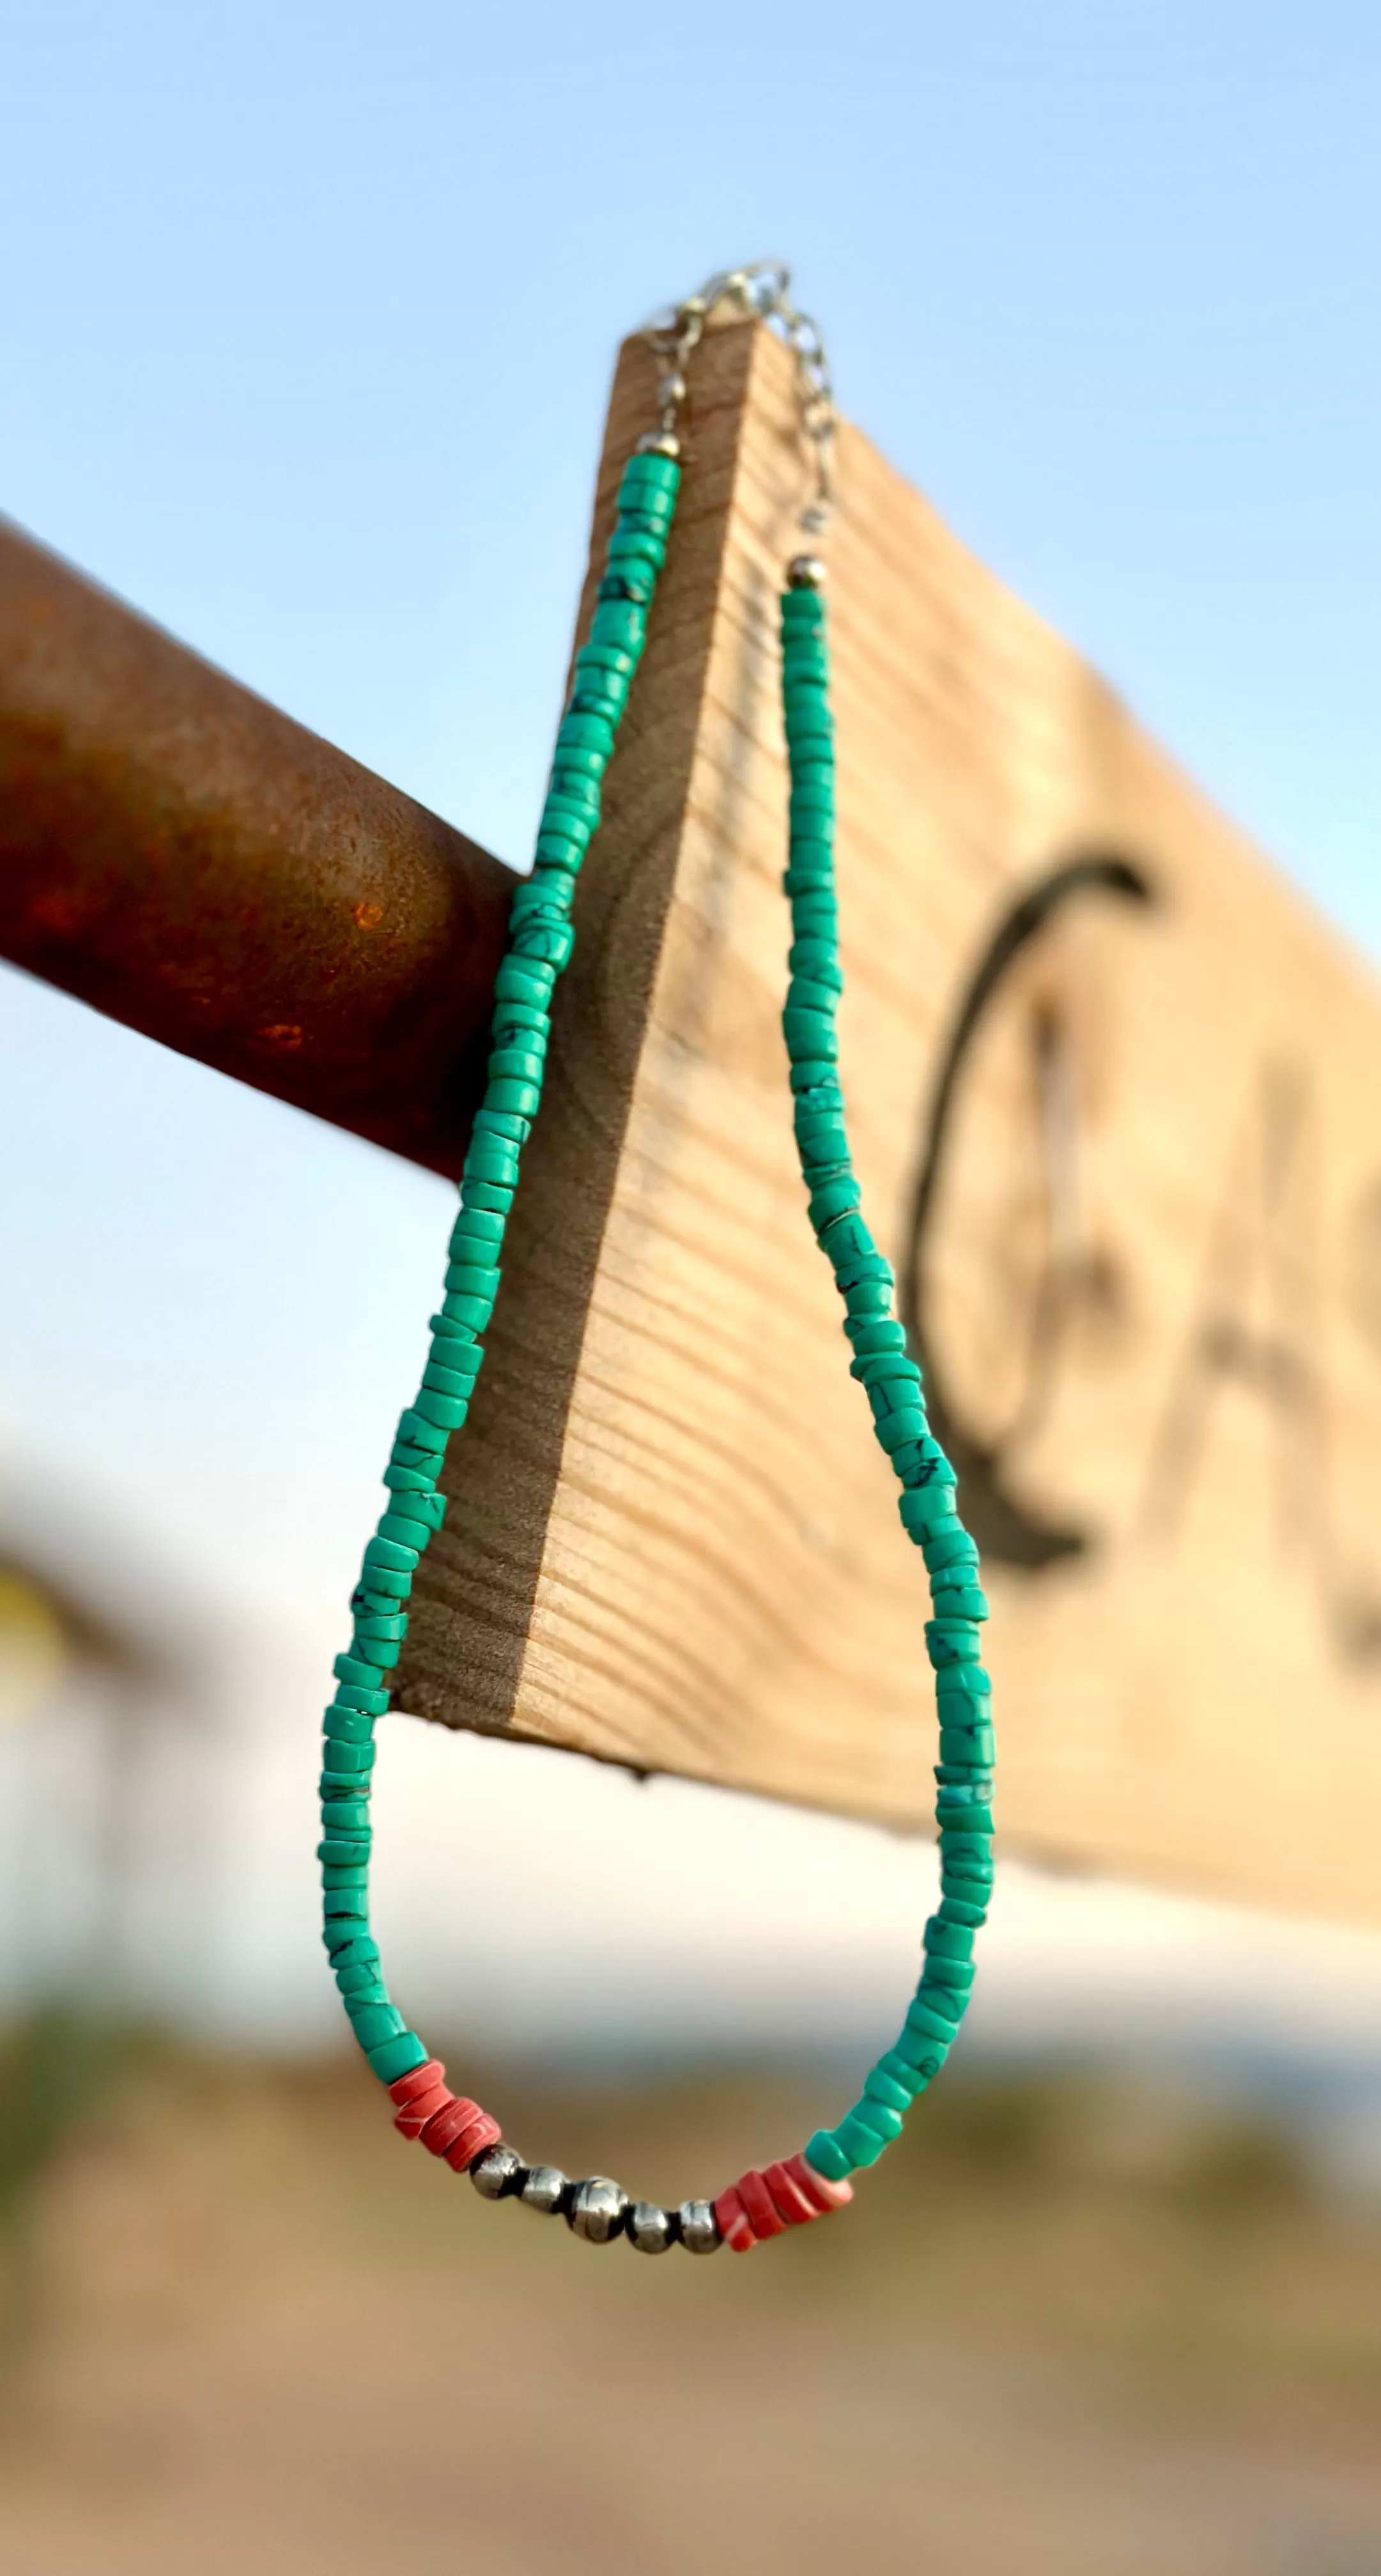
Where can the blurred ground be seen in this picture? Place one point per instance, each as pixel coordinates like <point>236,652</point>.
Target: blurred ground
<point>1069,2327</point>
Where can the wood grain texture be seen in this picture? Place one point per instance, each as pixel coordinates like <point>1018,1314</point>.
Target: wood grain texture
<point>1147,1277</point>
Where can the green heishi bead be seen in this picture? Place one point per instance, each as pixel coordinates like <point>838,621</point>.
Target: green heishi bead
<point>453,1365</point>
<point>958,1600</point>
<point>966,1681</point>
<point>516,983</point>
<point>357,1986</point>
<point>586,733</point>
<point>908,1423</point>
<point>337,1851</point>
<point>512,1064</point>
<point>493,1158</point>
<point>835,1199</point>
<point>467,1314</point>
<point>495,1197</point>
<point>924,2051</point>
<point>372,1702</point>
<point>902,2072</point>
<point>347,1875</point>
<point>859,2135</point>
<point>629,581</point>
<point>348,1726</point>
<point>383,1651</point>
<point>948,1941</point>
<point>827,2158</point>
<point>637,546</point>
<point>350,1761</point>
<point>573,760</point>
<point>970,1744</point>
<point>646,466</point>
<point>428,1510</point>
<point>958,1909</point>
<point>397,2057</point>
<point>374,2023</point>
<point>448,1412</point>
<point>387,1583</point>
<point>885,2090</point>
<point>950,1641</point>
<point>923,2021</point>
<point>606,657</point>
<point>386,1555</point>
<point>526,1096</point>
<point>617,621</point>
<point>348,1668</point>
<point>346,1810</point>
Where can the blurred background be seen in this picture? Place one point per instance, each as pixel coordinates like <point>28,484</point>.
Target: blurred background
<point>308,316</point>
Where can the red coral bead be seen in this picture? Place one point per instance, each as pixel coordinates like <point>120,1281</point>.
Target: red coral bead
<point>788,2199</point>
<point>419,2079</point>
<point>731,2218</point>
<point>823,2194</point>
<point>413,2117</point>
<point>479,2133</point>
<point>757,2201</point>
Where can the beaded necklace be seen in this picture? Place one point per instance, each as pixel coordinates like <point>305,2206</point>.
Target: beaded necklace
<point>816,2180</point>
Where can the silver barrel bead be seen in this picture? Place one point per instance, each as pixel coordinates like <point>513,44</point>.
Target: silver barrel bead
<point>699,2227</point>
<point>545,2189</point>
<point>650,2228</point>
<point>598,2210</point>
<point>496,2173</point>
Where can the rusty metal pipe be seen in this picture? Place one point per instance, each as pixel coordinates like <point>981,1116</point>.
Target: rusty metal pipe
<point>179,855</point>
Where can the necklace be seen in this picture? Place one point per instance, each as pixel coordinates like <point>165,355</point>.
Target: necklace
<point>811,2183</point>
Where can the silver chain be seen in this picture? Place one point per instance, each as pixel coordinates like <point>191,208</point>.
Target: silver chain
<point>762,291</point>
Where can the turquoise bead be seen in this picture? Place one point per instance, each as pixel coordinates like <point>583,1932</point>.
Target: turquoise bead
<point>373,2024</point>
<point>371,1702</point>
<point>861,2138</point>
<point>924,2050</point>
<point>397,2057</point>
<point>348,1668</point>
<point>338,1851</point>
<point>526,1096</point>
<point>887,2093</point>
<point>827,2158</point>
<point>926,2022</point>
<point>446,1412</point>
<point>386,1585</point>
<point>386,1552</point>
<point>439,1379</point>
<point>902,2073</point>
<point>944,1940</point>
<point>348,1725</point>
<point>959,1909</point>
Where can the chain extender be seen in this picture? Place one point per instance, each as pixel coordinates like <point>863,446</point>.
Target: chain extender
<point>762,292</point>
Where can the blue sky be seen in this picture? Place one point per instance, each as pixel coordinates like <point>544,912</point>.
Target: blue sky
<point>307,317</point>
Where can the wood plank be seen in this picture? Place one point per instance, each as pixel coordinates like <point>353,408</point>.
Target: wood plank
<point>1122,1148</point>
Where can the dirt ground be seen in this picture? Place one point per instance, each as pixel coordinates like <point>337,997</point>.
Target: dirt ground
<point>250,2329</point>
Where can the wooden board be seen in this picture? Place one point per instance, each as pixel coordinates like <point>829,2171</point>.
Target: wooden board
<point>1113,1090</point>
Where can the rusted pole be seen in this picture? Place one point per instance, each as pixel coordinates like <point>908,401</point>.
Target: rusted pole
<point>184,858</point>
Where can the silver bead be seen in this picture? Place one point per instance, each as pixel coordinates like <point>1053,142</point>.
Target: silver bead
<point>543,2189</point>
<point>493,2174</point>
<point>699,2227</point>
<point>806,572</point>
<point>815,519</point>
<point>649,2228</point>
<point>598,2210</point>
<point>672,388</point>
<point>659,442</point>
